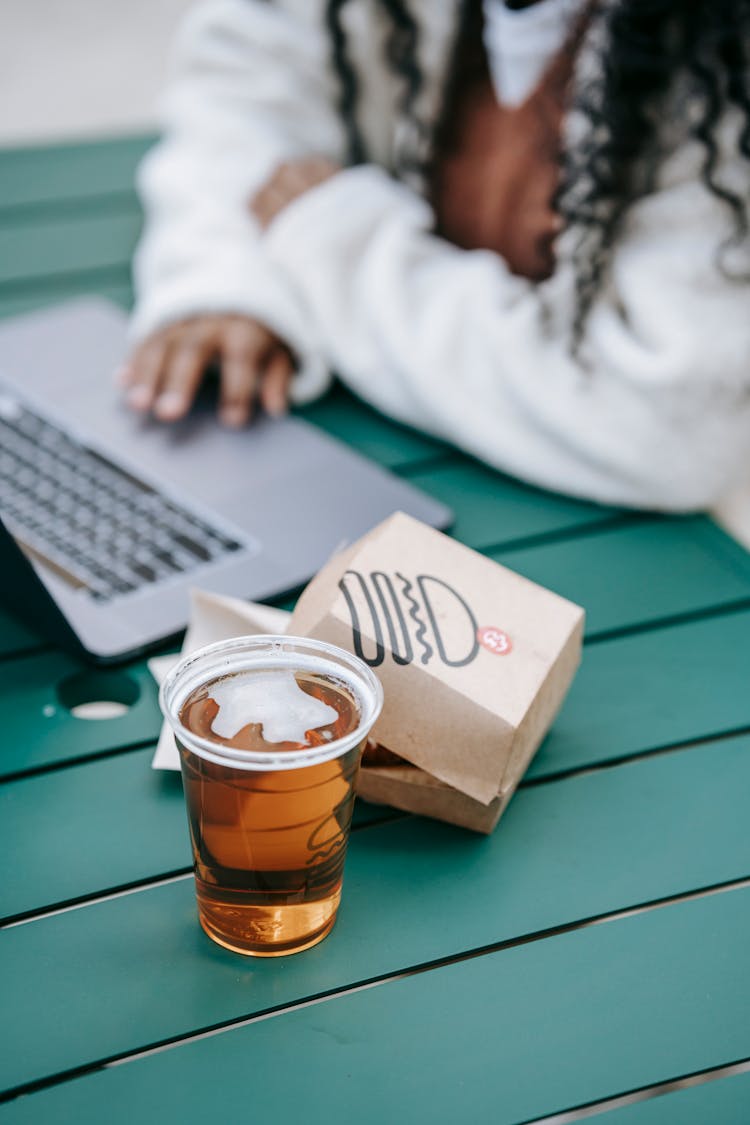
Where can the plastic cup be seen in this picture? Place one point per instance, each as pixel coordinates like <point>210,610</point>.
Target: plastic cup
<point>269,830</point>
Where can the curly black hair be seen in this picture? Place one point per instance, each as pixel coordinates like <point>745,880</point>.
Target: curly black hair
<point>685,59</point>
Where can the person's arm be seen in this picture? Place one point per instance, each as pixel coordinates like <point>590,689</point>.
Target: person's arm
<point>450,341</point>
<point>250,86</point>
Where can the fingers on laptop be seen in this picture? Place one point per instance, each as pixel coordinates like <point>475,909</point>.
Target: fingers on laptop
<point>245,350</point>
<point>277,378</point>
<point>141,376</point>
<point>181,375</point>
<point>165,371</point>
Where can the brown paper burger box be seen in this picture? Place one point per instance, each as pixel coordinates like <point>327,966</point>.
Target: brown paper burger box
<point>474,660</point>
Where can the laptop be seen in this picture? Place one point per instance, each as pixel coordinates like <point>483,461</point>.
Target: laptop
<point>107,519</point>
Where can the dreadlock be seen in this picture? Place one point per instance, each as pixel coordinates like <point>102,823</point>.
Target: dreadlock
<point>401,49</point>
<point>348,85</point>
<point>645,45</point>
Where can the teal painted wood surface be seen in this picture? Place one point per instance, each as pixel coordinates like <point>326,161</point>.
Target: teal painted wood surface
<point>58,175</point>
<point>640,573</point>
<point>39,729</point>
<point>493,509</point>
<point>528,1030</point>
<point>136,970</point>
<point>723,1101</point>
<point>671,685</point>
<point>345,417</point>
<point>66,246</point>
<point>15,637</point>
<point>504,1037</point>
<point>87,829</point>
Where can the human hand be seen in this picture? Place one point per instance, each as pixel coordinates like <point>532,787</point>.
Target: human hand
<point>288,182</point>
<point>164,372</point>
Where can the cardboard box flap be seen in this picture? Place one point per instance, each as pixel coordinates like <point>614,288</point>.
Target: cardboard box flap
<point>417,792</point>
<point>465,649</point>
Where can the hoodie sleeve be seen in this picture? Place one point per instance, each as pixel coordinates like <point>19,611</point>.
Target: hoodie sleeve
<point>250,87</point>
<point>658,415</point>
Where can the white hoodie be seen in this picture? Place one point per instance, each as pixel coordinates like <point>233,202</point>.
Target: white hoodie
<point>441,338</point>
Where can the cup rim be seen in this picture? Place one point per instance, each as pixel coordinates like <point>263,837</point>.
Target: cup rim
<point>361,679</point>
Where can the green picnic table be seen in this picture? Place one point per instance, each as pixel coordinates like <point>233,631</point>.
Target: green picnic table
<point>595,947</point>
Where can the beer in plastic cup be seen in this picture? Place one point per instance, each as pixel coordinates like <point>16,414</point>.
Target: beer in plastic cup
<point>270,732</point>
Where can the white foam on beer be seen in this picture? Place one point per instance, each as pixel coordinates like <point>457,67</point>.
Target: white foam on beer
<point>275,700</point>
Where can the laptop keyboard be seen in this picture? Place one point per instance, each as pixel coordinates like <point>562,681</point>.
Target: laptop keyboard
<point>89,520</point>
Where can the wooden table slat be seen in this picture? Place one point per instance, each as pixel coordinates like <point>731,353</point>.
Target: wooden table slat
<point>503,1037</point>
<point>640,573</point>
<point>375,436</point>
<point>15,637</point>
<point>722,1101</point>
<point>41,730</point>
<point>137,969</point>
<point>66,246</point>
<point>493,509</point>
<point>55,174</point>
<point>659,688</point>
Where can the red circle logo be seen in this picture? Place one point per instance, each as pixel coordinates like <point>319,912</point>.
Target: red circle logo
<point>494,640</point>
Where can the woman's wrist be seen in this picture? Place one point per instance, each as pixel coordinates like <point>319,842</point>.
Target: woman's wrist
<point>290,180</point>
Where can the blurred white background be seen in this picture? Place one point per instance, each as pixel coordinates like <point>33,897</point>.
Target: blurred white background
<point>82,68</point>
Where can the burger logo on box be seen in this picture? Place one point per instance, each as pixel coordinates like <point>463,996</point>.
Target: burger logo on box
<point>391,612</point>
